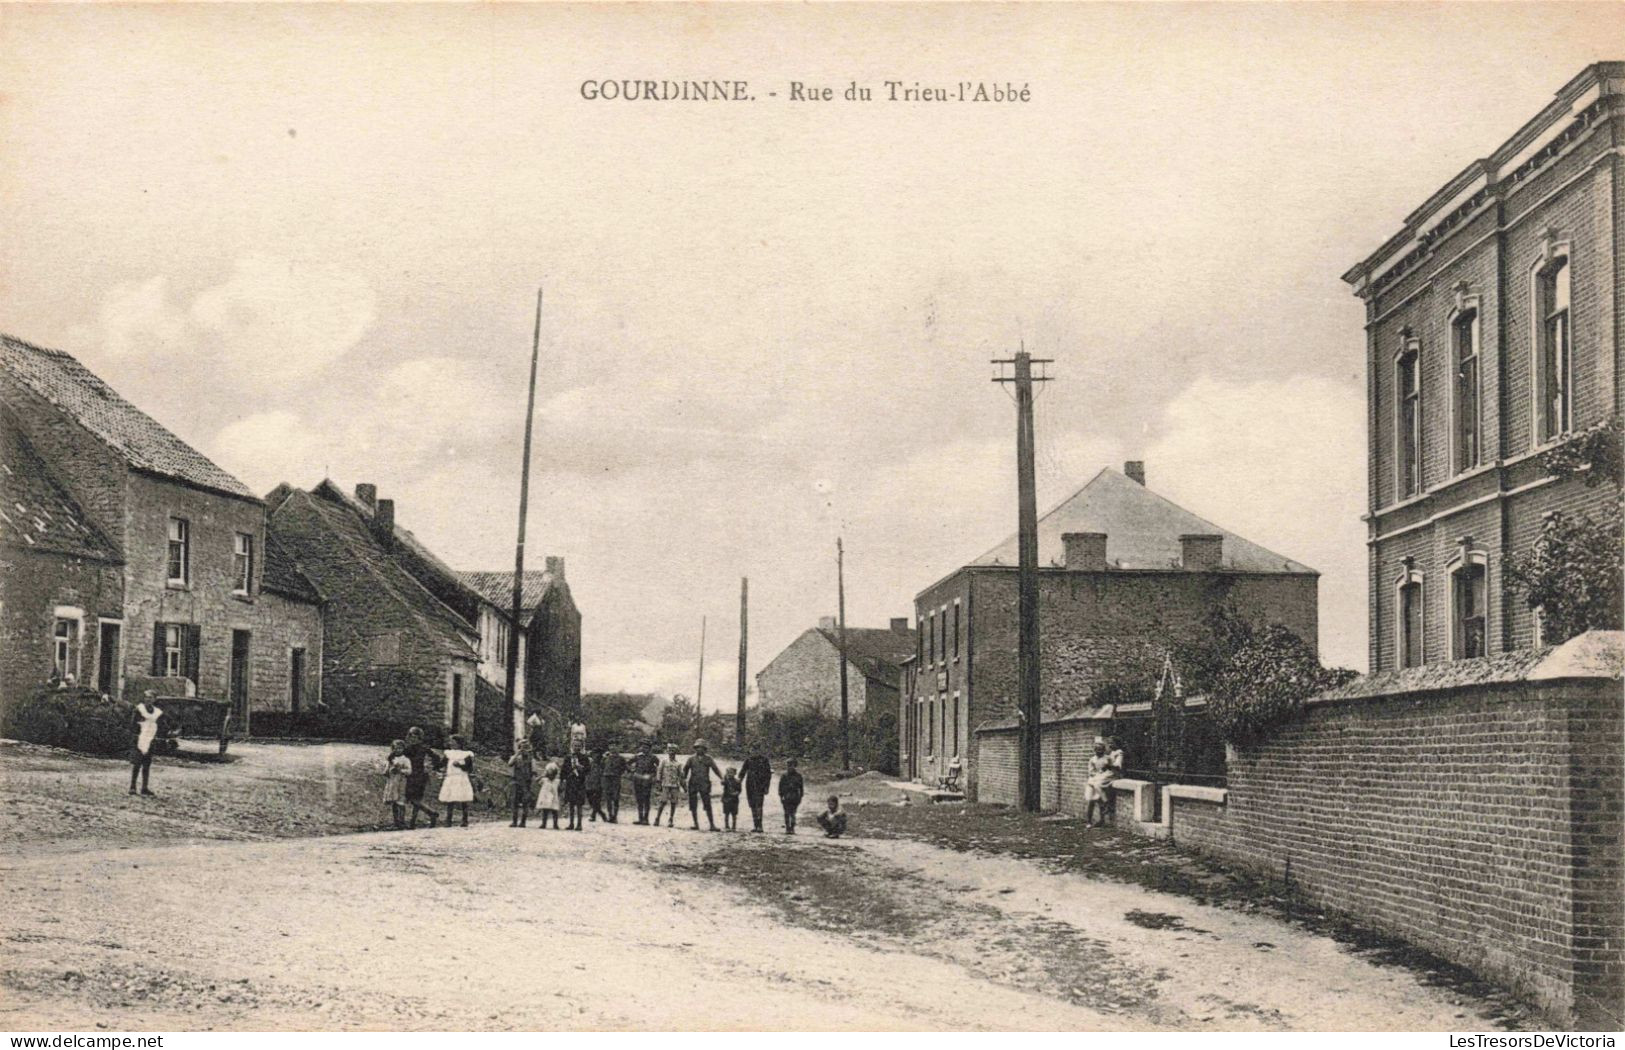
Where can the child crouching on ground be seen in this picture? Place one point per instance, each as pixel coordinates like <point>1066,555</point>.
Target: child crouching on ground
<point>396,767</point>
<point>833,819</point>
<point>731,788</point>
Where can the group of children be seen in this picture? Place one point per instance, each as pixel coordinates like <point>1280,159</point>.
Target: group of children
<point>588,788</point>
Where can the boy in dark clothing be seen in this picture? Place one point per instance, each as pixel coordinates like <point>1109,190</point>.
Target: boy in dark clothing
<point>757,774</point>
<point>833,819</point>
<point>523,765</point>
<point>730,799</point>
<point>644,767</point>
<point>573,786</point>
<point>595,786</point>
<point>791,788</point>
<point>697,776</point>
<point>614,769</point>
<point>423,759</point>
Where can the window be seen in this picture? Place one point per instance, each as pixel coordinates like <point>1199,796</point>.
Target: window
<point>1412,646</point>
<point>174,648</point>
<point>1554,366</point>
<point>942,651</point>
<point>933,629</point>
<point>243,550</point>
<point>1408,431</point>
<point>1470,602</point>
<point>502,643</point>
<point>1467,403</point>
<point>180,552</point>
<point>956,629</point>
<point>65,648</point>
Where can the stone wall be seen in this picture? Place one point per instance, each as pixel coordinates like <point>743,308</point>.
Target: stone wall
<point>32,585</point>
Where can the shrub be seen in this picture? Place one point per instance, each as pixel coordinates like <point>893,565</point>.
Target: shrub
<point>77,719</point>
<point>1265,685</point>
<point>1573,573</point>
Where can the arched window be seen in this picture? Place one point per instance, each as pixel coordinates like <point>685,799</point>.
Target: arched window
<point>1408,419</point>
<point>1409,618</point>
<point>1554,350</point>
<point>1466,404</point>
<point>1469,604</point>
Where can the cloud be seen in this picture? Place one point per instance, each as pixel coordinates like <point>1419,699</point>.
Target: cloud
<point>138,317</point>
<point>276,319</point>
<point>271,447</point>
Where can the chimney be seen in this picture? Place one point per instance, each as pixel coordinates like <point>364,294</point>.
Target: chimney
<point>826,623</point>
<point>1085,551</point>
<point>1201,552</point>
<point>383,522</point>
<point>899,624</point>
<point>368,495</point>
<point>1135,469</point>
<point>555,567</point>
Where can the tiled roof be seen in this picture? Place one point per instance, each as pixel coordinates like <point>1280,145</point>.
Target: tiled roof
<point>282,575</point>
<point>877,652</point>
<point>497,587</point>
<point>35,512</point>
<point>141,440</point>
<point>1142,531</point>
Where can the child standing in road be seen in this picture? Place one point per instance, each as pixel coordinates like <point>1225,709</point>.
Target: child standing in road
<point>457,789</point>
<point>396,767</point>
<point>791,788</point>
<point>730,799</point>
<point>547,796</point>
<point>523,767</point>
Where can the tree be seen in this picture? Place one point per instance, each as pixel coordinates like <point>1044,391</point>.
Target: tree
<point>1265,684</point>
<point>1572,573</point>
<point>611,718</point>
<point>680,719</point>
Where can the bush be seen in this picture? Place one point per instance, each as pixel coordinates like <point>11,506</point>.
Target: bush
<point>77,719</point>
<point>1265,685</point>
<point>1573,572</point>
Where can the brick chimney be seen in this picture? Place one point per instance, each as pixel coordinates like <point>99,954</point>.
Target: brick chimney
<point>1135,471</point>
<point>383,523</point>
<point>367,493</point>
<point>899,624</point>
<point>555,567</point>
<point>1085,551</point>
<point>1201,552</point>
<point>826,623</point>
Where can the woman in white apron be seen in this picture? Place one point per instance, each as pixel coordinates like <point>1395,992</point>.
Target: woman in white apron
<point>147,716</point>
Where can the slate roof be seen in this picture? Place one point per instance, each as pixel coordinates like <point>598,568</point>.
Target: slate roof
<point>282,575</point>
<point>36,513</point>
<point>497,588</point>
<point>876,652</point>
<point>135,436</point>
<point>1142,531</point>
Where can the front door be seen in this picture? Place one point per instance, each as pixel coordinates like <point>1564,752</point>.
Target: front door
<point>296,681</point>
<point>239,680</point>
<point>107,658</point>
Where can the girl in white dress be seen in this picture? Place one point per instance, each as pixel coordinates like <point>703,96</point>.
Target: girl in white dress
<point>547,795</point>
<point>456,789</point>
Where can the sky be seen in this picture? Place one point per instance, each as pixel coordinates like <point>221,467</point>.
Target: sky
<point>308,240</point>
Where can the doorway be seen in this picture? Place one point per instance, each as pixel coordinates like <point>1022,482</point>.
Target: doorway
<point>239,679</point>
<point>107,660</point>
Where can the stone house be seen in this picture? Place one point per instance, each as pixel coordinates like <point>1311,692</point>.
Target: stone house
<point>805,678</point>
<point>192,610</point>
<point>1124,576</point>
<point>549,673</point>
<point>1493,322</point>
<point>395,652</point>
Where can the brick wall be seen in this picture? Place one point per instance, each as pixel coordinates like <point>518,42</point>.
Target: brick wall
<point>1481,822</point>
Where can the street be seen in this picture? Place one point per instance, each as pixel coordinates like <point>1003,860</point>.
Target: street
<point>624,927</point>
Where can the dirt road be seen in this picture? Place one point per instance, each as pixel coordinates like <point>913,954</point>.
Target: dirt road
<point>634,927</point>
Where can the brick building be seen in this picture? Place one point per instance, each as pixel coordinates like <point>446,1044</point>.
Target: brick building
<point>1493,331</point>
<point>806,677</point>
<point>1124,575</point>
<point>183,598</point>
<point>395,652</point>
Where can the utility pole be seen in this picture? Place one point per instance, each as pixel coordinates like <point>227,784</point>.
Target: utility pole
<point>840,596</point>
<point>744,630</point>
<point>699,689</point>
<point>516,704</point>
<point>1027,686</point>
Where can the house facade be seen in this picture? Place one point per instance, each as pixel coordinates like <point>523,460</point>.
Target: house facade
<point>549,671</point>
<point>191,612</point>
<point>1493,331</point>
<point>805,678</point>
<point>1124,576</point>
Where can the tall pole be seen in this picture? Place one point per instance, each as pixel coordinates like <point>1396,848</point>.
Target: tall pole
<point>1027,684</point>
<point>516,704</point>
<point>840,597</point>
<point>699,689</point>
<point>744,631</point>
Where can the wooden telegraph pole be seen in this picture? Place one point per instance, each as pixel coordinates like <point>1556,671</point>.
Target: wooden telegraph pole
<point>1027,685</point>
<point>840,595</point>
<point>516,704</point>
<point>744,625</point>
<point>699,688</point>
